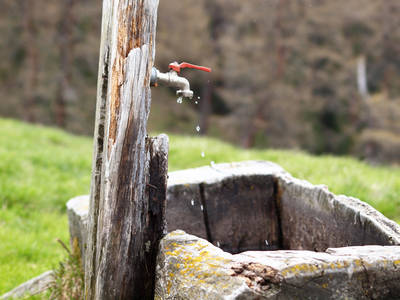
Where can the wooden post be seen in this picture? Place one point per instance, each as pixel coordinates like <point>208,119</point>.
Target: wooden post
<point>127,202</point>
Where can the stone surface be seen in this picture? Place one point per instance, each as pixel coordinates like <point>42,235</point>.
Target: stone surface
<point>241,213</point>
<point>313,218</point>
<point>246,203</point>
<point>77,210</point>
<point>184,209</point>
<point>236,200</point>
<point>34,286</point>
<point>240,205</point>
<point>191,268</point>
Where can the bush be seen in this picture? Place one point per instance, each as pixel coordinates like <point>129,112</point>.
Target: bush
<point>379,146</point>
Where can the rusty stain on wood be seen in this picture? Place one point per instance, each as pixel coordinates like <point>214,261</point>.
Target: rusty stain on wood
<point>129,37</point>
<point>114,103</point>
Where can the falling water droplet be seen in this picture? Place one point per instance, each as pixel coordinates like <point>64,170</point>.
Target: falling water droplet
<point>198,128</point>
<point>266,243</point>
<point>218,244</point>
<point>179,100</point>
<point>198,97</point>
<point>196,102</point>
<point>201,207</point>
<point>212,163</point>
<point>203,154</point>
<point>192,202</point>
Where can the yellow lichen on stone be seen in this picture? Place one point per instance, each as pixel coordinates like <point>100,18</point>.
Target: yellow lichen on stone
<point>200,247</point>
<point>177,233</point>
<point>190,263</point>
<point>358,262</point>
<point>314,268</point>
<point>169,285</point>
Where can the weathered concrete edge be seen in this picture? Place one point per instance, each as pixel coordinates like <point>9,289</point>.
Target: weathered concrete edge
<point>224,171</point>
<point>362,209</point>
<point>31,287</point>
<point>78,206</point>
<point>78,213</point>
<point>190,267</point>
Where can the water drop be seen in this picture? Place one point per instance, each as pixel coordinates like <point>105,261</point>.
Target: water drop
<point>196,102</point>
<point>218,244</point>
<point>198,128</point>
<point>266,243</point>
<point>212,163</point>
<point>192,202</point>
<point>179,100</point>
<point>201,207</point>
<point>198,97</point>
<point>203,154</point>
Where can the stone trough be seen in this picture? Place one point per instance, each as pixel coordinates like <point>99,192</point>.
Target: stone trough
<point>251,231</point>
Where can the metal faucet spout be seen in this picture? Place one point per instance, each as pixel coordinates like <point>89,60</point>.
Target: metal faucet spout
<point>172,79</point>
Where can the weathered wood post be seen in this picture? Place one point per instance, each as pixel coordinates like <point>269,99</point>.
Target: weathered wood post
<point>127,202</point>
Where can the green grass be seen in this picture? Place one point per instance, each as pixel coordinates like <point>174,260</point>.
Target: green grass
<point>41,168</point>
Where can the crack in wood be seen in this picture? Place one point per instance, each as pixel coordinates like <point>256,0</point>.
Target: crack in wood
<point>205,214</point>
<point>276,198</point>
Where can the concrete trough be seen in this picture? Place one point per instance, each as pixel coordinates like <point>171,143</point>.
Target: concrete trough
<point>250,230</point>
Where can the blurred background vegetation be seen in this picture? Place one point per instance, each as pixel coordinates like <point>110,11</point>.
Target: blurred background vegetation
<point>323,76</point>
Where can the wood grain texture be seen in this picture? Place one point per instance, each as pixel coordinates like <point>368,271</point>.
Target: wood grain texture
<point>120,239</point>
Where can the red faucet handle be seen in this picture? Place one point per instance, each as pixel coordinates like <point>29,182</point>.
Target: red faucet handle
<point>177,67</point>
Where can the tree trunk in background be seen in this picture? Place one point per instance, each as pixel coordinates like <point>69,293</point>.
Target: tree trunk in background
<point>280,48</point>
<point>128,191</point>
<point>65,44</point>
<point>205,108</point>
<point>214,9</point>
<point>31,58</point>
<point>249,138</point>
<point>362,77</point>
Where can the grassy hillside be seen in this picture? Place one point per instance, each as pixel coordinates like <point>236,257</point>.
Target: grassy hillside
<point>41,168</point>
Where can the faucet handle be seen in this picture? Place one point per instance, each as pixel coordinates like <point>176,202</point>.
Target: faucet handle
<point>177,67</point>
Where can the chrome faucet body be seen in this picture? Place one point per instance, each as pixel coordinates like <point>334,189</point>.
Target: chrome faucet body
<point>173,79</point>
